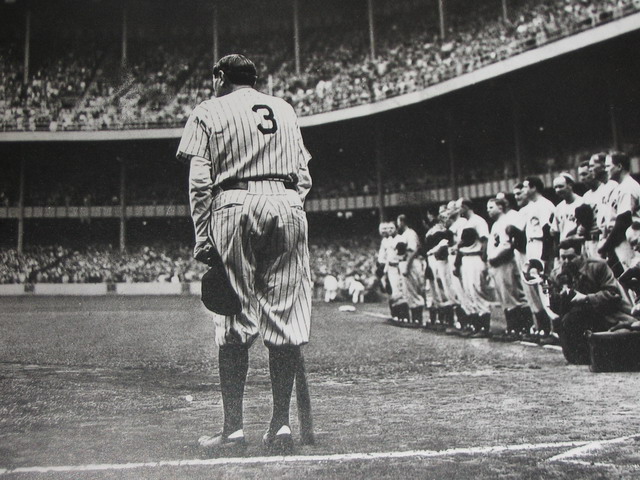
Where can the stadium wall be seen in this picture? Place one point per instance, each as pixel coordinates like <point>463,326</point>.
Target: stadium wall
<point>97,289</point>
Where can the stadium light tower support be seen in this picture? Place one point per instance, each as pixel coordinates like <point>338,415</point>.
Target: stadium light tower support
<point>123,205</point>
<point>441,15</point>
<point>517,140</point>
<point>615,135</point>
<point>372,31</point>
<point>505,11</point>
<point>20,246</point>
<point>296,35</point>
<point>123,58</point>
<point>27,44</point>
<point>215,40</point>
<point>379,145</point>
<point>453,179</point>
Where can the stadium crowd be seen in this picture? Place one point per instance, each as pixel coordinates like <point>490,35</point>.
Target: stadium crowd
<point>349,259</point>
<point>71,90</point>
<point>557,271</point>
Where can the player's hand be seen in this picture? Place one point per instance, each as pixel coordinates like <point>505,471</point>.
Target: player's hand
<point>203,253</point>
<point>579,298</point>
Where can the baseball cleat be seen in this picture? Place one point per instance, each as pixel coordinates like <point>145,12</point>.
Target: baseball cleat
<point>280,442</point>
<point>222,441</point>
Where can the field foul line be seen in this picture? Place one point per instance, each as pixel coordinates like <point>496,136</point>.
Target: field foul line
<point>570,455</point>
<point>340,457</point>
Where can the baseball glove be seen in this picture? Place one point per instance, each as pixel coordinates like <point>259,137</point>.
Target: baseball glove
<point>218,294</point>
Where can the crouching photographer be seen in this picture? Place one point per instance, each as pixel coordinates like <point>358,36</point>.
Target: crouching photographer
<point>586,297</point>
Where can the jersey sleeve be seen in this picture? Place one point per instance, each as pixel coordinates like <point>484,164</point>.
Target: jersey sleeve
<point>482,229</point>
<point>304,177</point>
<point>627,202</point>
<point>195,138</point>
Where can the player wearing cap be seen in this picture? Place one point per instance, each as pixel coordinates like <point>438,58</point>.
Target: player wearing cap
<point>247,183</point>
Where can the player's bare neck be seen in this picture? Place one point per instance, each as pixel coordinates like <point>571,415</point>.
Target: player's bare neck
<point>230,89</point>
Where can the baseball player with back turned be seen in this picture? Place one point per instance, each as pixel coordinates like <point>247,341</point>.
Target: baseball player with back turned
<point>247,183</point>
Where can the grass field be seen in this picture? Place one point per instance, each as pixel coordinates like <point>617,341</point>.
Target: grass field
<point>96,387</point>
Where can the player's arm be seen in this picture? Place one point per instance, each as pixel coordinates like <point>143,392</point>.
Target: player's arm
<point>200,199</point>
<point>304,177</point>
<point>624,217</point>
<point>194,149</point>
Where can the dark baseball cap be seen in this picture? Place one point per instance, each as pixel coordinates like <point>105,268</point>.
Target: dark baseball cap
<point>218,294</point>
<point>237,68</point>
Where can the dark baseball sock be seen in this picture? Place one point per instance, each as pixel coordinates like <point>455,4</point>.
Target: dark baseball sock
<point>283,364</point>
<point>233,364</point>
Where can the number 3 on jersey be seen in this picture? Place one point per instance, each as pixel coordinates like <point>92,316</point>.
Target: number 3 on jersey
<point>272,126</point>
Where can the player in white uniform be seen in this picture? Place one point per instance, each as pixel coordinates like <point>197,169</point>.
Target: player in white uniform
<point>473,269</point>
<point>412,269</point>
<point>248,181</point>
<point>537,216</point>
<point>564,221</point>
<point>464,309</point>
<point>439,238</point>
<point>603,188</point>
<point>590,233</point>
<point>625,208</point>
<point>504,270</point>
<point>397,300</point>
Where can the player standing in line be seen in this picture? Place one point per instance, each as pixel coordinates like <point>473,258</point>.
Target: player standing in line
<point>625,208</point>
<point>465,309</point>
<point>412,270</point>
<point>564,221</point>
<point>441,238</point>
<point>436,299</point>
<point>383,260</point>
<point>505,272</point>
<point>472,247</point>
<point>603,188</point>
<point>590,232</point>
<point>395,253</point>
<point>537,216</point>
<point>247,184</point>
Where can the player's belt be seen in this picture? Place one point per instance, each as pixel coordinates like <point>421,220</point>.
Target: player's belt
<point>234,184</point>
<point>469,254</point>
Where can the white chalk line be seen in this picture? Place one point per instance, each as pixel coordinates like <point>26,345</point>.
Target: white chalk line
<point>570,455</point>
<point>340,457</point>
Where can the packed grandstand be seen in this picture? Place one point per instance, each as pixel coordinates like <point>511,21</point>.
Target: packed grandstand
<point>72,84</point>
<point>80,83</point>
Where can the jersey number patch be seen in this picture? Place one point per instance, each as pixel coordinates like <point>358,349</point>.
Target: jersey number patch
<point>272,126</point>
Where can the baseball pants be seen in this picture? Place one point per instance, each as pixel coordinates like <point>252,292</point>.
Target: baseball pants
<point>261,235</point>
<point>442,272</point>
<point>473,271</point>
<point>413,284</point>
<point>508,284</point>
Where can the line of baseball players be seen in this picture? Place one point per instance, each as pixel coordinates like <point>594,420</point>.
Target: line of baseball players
<point>463,267</point>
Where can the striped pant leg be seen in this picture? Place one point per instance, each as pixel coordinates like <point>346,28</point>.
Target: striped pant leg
<point>282,271</point>
<point>229,231</point>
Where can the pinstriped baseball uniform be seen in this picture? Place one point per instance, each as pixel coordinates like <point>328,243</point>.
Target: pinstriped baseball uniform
<point>259,230</point>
